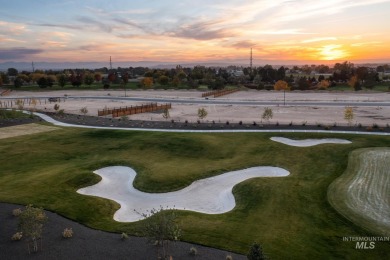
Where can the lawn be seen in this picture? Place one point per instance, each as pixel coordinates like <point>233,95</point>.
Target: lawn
<point>289,216</point>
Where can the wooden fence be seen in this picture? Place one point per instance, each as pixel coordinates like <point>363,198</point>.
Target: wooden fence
<point>218,93</point>
<point>123,111</point>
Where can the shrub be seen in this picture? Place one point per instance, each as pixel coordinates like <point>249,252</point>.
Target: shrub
<point>360,125</point>
<point>56,107</point>
<point>67,233</point>
<point>291,123</point>
<point>240,123</point>
<point>229,257</point>
<point>369,128</point>
<point>84,110</point>
<point>202,113</point>
<point>124,236</point>
<point>16,212</point>
<point>17,236</point>
<point>193,251</point>
<point>304,123</point>
<point>227,122</point>
<point>374,125</point>
<point>61,112</point>
<point>349,114</point>
<point>31,222</point>
<point>255,252</point>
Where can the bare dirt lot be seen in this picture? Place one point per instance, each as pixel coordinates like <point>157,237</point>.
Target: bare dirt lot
<point>311,114</point>
<point>24,129</point>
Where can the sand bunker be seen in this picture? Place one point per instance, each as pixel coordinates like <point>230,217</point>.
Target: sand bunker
<point>211,195</point>
<point>361,194</point>
<point>26,129</point>
<point>309,142</point>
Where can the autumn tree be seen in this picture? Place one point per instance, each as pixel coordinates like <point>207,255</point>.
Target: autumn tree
<point>111,77</point>
<point>98,77</point>
<point>24,77</point>
<point>282,85</point>
<point>323,84</point>
<point>36,76</point>
<point>125,78</point>
<point>76,80</point>
<point>146,82</point>
<point>354,83</point>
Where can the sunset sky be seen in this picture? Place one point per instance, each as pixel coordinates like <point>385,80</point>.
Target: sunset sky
<point>195,31</point>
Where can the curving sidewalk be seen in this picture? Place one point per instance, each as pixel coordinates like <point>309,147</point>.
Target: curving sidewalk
<point>58,123</point>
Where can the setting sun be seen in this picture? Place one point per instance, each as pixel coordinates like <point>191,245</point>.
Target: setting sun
<point>333,52</point>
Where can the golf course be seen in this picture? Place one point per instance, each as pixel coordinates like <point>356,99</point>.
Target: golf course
<point>289,216</point>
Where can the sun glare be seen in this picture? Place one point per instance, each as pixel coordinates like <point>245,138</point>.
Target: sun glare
<point>332,52</point>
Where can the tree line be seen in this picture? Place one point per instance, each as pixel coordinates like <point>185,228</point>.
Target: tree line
<point>263,77</point>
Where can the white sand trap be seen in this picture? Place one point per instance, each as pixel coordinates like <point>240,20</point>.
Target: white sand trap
<point>212,195</point>
<point>309,142</point>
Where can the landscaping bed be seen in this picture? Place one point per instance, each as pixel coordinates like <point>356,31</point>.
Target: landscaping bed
<point>169,124</point>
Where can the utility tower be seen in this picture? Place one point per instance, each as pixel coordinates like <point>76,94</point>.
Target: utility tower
<point>251,60</point>
<point>33,69</point>
<point>110,64</point>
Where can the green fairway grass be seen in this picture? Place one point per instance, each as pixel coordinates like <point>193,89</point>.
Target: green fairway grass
<point>290,216</point>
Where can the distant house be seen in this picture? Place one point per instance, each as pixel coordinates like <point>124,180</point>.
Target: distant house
<point>236,73</point>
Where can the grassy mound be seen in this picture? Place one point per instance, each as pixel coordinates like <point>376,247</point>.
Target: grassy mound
<point>361,194</point>
<point>289,216</point>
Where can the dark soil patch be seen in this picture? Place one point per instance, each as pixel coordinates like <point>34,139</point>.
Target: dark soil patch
<point>169,124</point>
<point>88,243</point>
